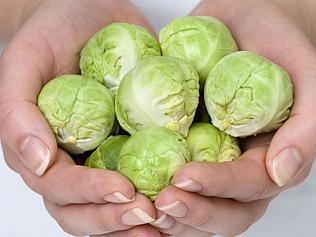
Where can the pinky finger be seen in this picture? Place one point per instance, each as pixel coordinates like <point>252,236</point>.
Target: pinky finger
<point>139,231</point>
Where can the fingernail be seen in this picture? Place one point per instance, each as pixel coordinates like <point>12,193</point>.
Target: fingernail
<point>176,209</point>
<point>117,197</point>
<point>190,185</point>
<point>286,165</point>
<point>136,216</point>
<point>164,222</point>
<point>35,155</point>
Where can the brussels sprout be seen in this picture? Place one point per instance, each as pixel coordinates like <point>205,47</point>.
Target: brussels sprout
<point>114,50</point>
<point>159,91</point>
<point>201,40</point>
<point>106,155</point>
<point>207,143</point>
<point>246,94</point>
<point>80,112</point>
<point>150,158</point>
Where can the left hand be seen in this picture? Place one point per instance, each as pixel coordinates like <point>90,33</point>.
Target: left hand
<point>229,197</point>
<point>83,201</point>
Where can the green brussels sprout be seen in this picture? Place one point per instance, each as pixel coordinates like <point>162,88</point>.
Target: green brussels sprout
<point>246,94</point>
<point>106,155</point>
<point>207,143</point>
<point>150,158</point>
<point>202,40</point>
<point>159,91</point>
<point>115,50</point>
<point>79,111</point>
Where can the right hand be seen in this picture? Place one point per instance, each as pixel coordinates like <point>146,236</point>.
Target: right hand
<point>84,201</point>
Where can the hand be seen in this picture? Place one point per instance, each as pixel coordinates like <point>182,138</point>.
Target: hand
<point>83,201</point>
<point>227,198</point>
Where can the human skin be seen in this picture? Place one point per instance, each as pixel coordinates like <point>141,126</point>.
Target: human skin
<point>48,45</point>
<point>205,194</point>
<point>45,39</point>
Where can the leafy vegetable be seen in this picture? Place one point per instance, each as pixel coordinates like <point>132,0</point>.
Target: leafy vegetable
<point>246,94</point>
<point>80,112</point>
<point>150,158</point>
<point>115,50</point>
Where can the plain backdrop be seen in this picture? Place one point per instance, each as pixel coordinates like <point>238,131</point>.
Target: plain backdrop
<point>22,213</point>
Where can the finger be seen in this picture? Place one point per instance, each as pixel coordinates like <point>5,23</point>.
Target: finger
<point>141,231</point>
<point>96,219</point>
<point>245,179</point>
<point>65,183</point>
<point>292,150</point>
<point>22,126</point>
<point>27,134</point>
<point>216,215</point>
<point>168,225</point>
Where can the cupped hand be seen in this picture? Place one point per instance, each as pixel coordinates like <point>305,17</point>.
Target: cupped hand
<point>224,198</point>
<point>83,201</point>
<point>227,198</point>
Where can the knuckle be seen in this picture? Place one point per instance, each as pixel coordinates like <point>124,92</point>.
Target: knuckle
<point>7,116</point>
<point>264,186</point>
<point>105,223</point>
<point>228,174</point>
<point>263,189</point>
<point>204,220</point>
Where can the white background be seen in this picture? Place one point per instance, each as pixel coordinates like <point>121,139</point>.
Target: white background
<point>22,213</point>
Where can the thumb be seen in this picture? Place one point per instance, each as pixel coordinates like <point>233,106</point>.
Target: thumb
<point>292,150</point>
<point>293,147</point>
<point>23,129</point>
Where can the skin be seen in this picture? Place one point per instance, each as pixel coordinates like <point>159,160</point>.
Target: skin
<point>239,192</point>
<point>45,41</point>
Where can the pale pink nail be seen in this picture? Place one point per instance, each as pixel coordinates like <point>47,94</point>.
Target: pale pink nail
<point>285,166</point>
<point>117,197</point>
<point>136,216</point>
<point>189,185</point>
<point>35,155</point>
<point>177,209</point>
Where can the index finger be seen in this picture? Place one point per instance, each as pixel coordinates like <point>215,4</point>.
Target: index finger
<point>67,183</point>
<point>245,179</point>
